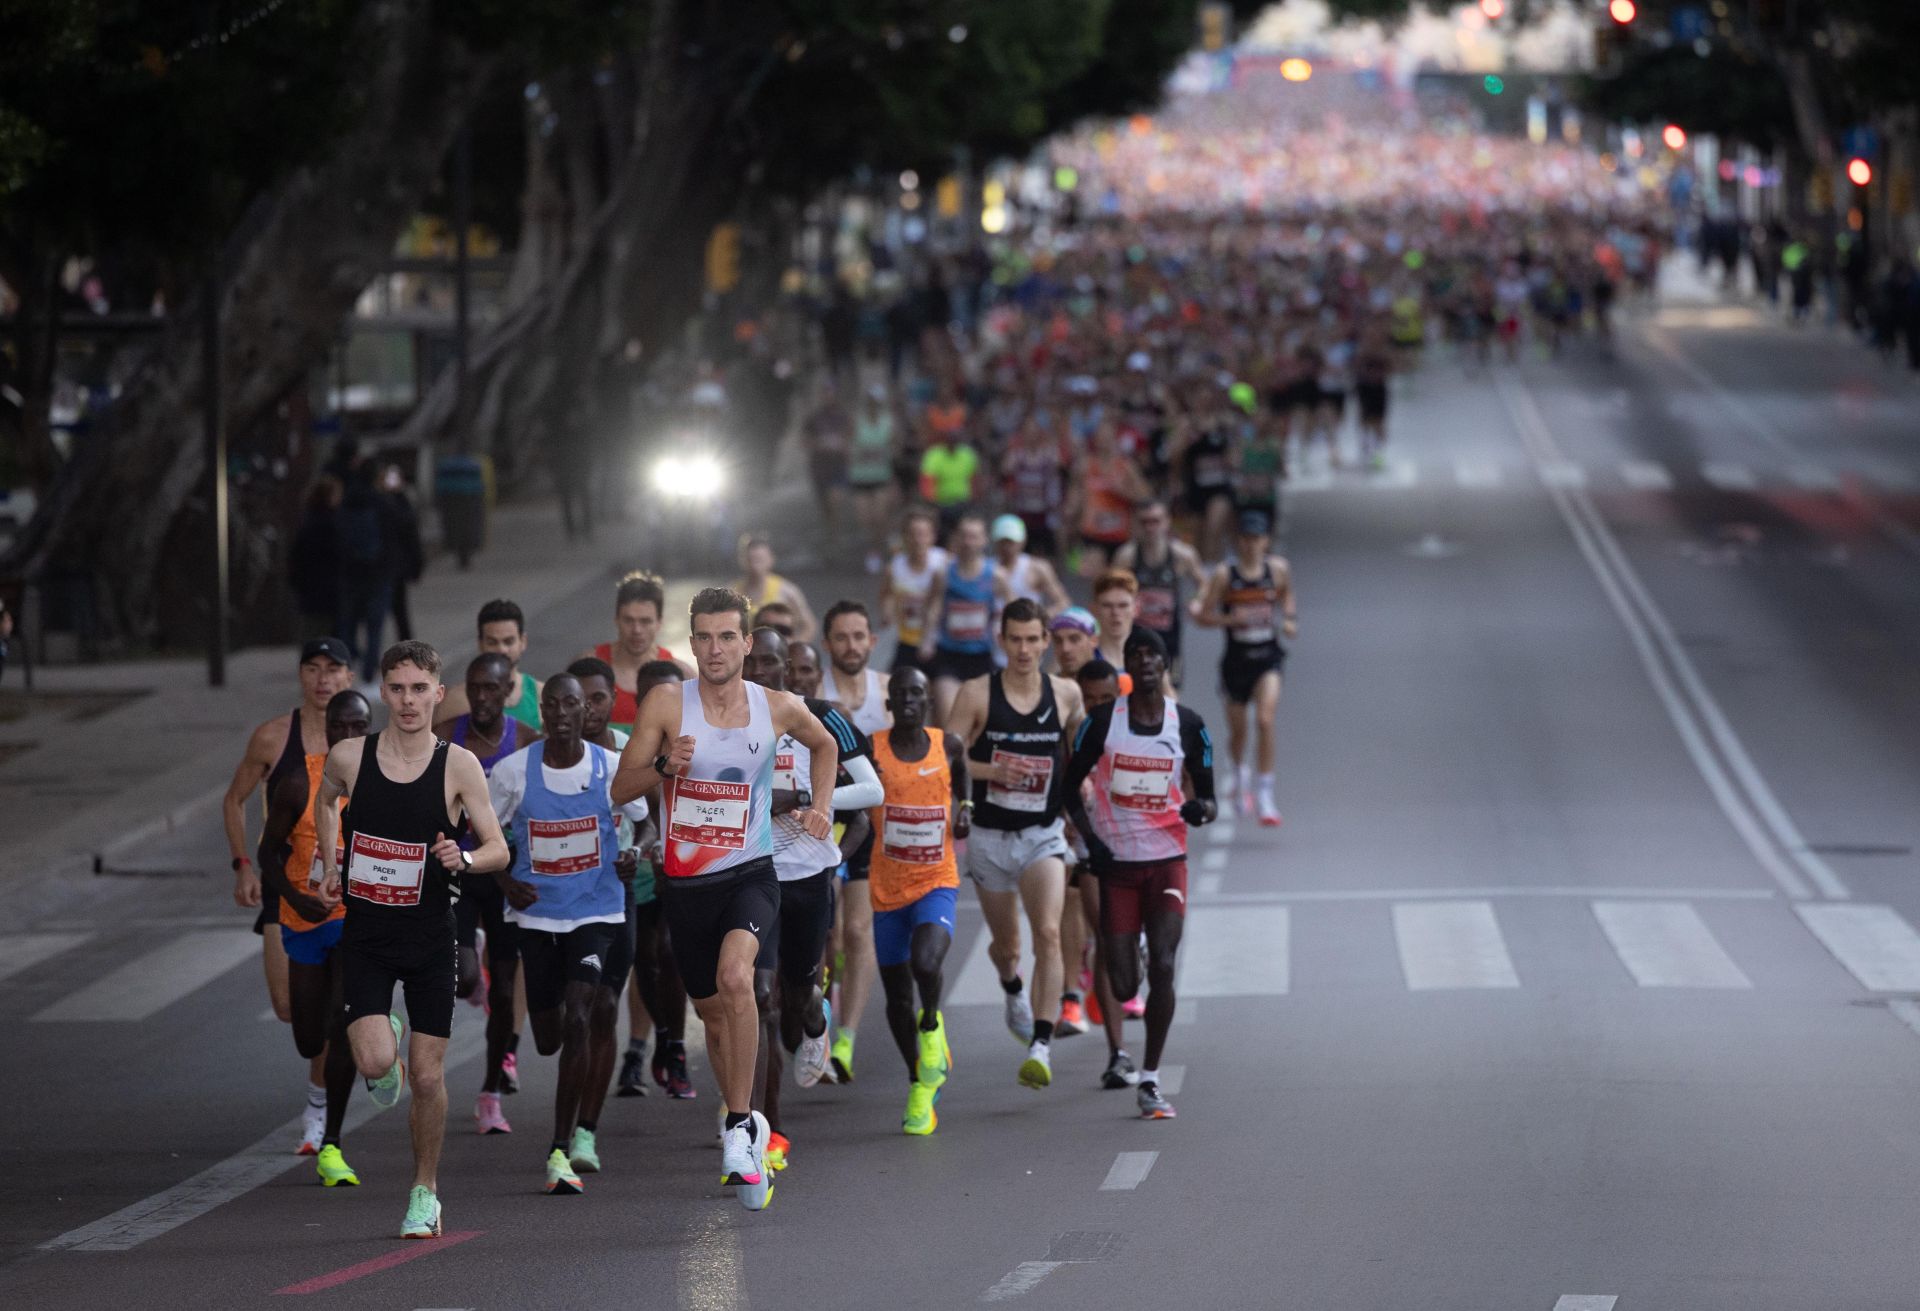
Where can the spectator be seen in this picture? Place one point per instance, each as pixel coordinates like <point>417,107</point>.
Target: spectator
<point>366,552</point>
<point>409,557</point>
<point>313,561</point>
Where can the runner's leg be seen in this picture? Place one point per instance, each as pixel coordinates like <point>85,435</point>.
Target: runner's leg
<point>897,982</point>
<point>340,1071</point>
<point>274,960</point>
<point>1165,925</point>
<point>857,968</point>
<point>427,1116</point>
<point>1043,888</point>
<point>1002,910</point>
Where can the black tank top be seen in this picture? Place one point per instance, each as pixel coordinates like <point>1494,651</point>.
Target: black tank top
<point>392,877</point>
<point>293,760</point>
<point>1206,471</point>
<point>1008,732</point>
<point>1253,618</point>
<point>1157,606</point>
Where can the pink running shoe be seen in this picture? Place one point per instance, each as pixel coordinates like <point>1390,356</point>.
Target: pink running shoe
<point>486,1114</point>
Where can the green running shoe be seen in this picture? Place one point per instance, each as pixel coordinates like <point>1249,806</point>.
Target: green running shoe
<point>584,1152</point>
<point>385,1090</point>
<point>560,1176</point>
<point>423,1214</point>
<point>921,1119</point>
<point>936,1058</point>
<point>333,1168</point>
<point>843,1056</point>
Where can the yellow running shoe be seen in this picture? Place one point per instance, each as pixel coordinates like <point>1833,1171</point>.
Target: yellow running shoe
<point>921,1119</point>
<point>333,1168</point>
<point>561,1179</point>
<point>936,1058</point>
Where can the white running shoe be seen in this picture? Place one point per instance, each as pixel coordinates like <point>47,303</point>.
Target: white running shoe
<point>1037,1070</point>
<point>810,1061</point>
<point>1269,813</point>
<point>313,1128</point>
<point>1020,1017</point>
<point>740,1156</point>
<point>755,1196</point>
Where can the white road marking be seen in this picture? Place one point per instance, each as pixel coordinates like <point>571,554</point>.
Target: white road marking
<point>1210,885</point>
<point>1215,859</point>
<point>241,1173</point>
<point>19,951</point>
<point>1667,945</point>
<point>1222,832</point>
<point>1482,894</point>
<point>1562,474</point>
<point>1906,1010</point>
<point>1021,1280</point>
<point>1398,475</point>
<point>712,1273</point>
<point>1310,480</point>
<point>1477,474</point>
<point>1585,1302</point>
<point>1242,952</point>
<point>1172,1079</point>
<point>1877,946</point>
<point>1646,476</point>
<point>1812,478</point>
<point>1129,1171</point>
<point>1729,477</point>
<point>1451,944</point>
<point>977,983</point>
<point>156,980</point>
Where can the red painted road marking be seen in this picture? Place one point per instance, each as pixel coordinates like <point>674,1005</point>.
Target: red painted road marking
<point>411,1252</point>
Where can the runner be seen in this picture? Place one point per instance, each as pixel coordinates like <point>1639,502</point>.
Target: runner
<point>1139,751</point>
<point>1074,635</point>
<point>1246,596</point>
<point>503,631</point>
<point>849,683</point>
<point>1106,486</point>
<point>406,792</point>
<point>793,1008</point>
<point>720,893</point>
<point>1160,562</point>
<point>639,601</point>
<point>566,895</point>
<point>763,587</point>
<point>1206,477</point>
<point>959,642</point>
<point>310,929</point>
<point>286,746</point>
<point>1114,593</point>
<point>1027,575</point>
<point>1100,685</point>
<point>487,731</point>
<point>915,882</point>
<point>871,471</point>
<point>1031,469</point>
<point>1014,722</point>
<point>908,586</point>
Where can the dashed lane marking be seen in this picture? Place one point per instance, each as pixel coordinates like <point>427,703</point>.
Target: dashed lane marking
<point>1129,1171</point>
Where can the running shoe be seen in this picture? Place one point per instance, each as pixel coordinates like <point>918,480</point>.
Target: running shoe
<point>810,1061</point>
<point>385,1090</point>
<point>583,1151</point>
<point>423,1214</point>
<point>1120,1073</point>
<point>333,1168</point>
<point>313,1127</point>
<point>843,1057</point>
<point>921,1119</point>
<point>778,1145</point>
<point>1020,1017</point>
<point>1152,1105</point>
<point>755,1196</point>
<point>487,1117</point>
<point>740,1156</point>
<point>1269,813</point>
<point>679,1086</point>
<point>1093,1006</point>
<point>633,1074</point>
<point>561,1179</point>
<point>936,1058</point>
<point>1073,1019</point>
<point>1134,1007</point>
<point>1037,1070</point>
<point>509,1074</point>
<point>659,1064</point>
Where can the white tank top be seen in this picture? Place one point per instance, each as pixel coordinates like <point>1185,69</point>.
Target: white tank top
<point>797,854</point>
<point>872,717</point>
<point>719,809</point>
<point>1020,579</point>
<point>912,586</point>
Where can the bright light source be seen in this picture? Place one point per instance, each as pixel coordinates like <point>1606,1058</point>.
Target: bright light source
<point>1296,70</point>
<point>1493,85</point>
<point>696,477</point>
<point>993,219</point>
<point>1675,136</point>
<point>1622,11</point>
<point>1493,8</point>
<point>1066,177</point>
<point>1859,172</point>
<point>909,181</point>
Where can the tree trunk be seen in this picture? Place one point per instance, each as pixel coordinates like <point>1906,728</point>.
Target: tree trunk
<point>291,272</point>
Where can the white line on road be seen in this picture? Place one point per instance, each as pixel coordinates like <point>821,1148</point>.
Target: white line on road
<point>1476,474</point>
<point>1729,477</point>
<point>712,1274</point>
<point>1243,952</point>
<point>1021,1280</point>
<point>1667,945</point>
<point>158,979</point>
<point>1877,946</point>
<point>19,951</point>
<point>1129,1171</point>
<point>977,983</point>
<point>1215,859</point>
<point>1451,944</point>
<point>1398,475</point>
<point>1221,831</point>
<point>1563,474</point>
<point>1646,476</point>
<point>1210,885</point>
<point>1812,478</point>
<point>1585,1302</point>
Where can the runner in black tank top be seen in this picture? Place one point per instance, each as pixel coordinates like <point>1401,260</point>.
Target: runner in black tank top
<point>1035,801</point>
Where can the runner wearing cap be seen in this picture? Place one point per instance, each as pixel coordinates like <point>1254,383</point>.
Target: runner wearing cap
<point>1251,596</point>
<point>1027,575</point>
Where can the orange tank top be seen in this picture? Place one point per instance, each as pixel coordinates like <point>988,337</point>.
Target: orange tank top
<point>912,836</point>
<point>301,864</point>
<point>1108,514</point>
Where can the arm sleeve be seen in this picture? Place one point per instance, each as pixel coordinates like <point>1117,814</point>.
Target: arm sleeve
<point>862,790</point>
<point>1198,746</point>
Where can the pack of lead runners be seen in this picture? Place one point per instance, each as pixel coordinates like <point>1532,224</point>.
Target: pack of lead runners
<point>758,830</point>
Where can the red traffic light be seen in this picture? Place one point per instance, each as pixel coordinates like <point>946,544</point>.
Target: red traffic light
<point>1859,172</point>
<point>1622,11</point>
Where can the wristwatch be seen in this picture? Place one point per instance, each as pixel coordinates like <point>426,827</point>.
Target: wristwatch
<point>466,862</point>
<point>660,764</point>
<point>803,800</point>
<point>238,861</point>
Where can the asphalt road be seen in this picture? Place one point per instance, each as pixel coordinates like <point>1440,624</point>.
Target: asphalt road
<point>1581,969</point>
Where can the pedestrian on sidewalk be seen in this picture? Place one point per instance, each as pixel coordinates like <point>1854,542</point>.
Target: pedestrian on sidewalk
<point>313,559</point>
<point>366,568</point>
<point>409,557</point>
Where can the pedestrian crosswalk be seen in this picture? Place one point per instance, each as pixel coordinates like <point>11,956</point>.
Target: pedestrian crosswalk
<point>1486,475</point>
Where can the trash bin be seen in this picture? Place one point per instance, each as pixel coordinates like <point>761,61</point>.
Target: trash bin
<point>460,490</point>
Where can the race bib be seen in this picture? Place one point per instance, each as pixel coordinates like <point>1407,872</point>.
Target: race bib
<point>914,835</point>
<point>784,775</point>
<point>1210,471</point>
<point>913,617</point>
<point>1154,608</point>
<point>388,873</point>
<point>318,874</point>
<point>967,621</point>
<point>1140,782</point>
<point>1106,521</point>
<point>1251,623</point>
<point>1026,792</point>
<point>709,813</point>
<point>558,847</point>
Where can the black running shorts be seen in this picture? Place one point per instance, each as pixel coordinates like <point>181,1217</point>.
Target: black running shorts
<point>483,905</point>
<point>806,918</point>
<point>553,960</point>
<point>703,911</point>
<point>419,955</point>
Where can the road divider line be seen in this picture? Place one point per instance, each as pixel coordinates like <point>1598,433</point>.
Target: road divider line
<point>1874,943</point>
<point>1563,475</point>
<point>1646,476</point>
<point>712,1274</point>
<point>1021,1280</point>
<point>1216,859</point>
<point>1729,477</point>
<point>1128,1172</point>
<point>411,1252</point>
<point>1476,474</point>
<point>1447,945</point>
<point>1222,832</point>
<point>1665,944</point>
<point>1585,1302</point>
<point>1242,952</point>
<point>156,980</point>
<point>1210,885</point>
<point>20,951</point>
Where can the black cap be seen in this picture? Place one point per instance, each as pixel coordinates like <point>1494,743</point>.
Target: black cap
<point>1254,523</point>
<point>330,647</point>
<point>1142,636</point>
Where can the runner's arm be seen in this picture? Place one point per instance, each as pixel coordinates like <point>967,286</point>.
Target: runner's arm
<point>930,622</point>
<point>962,806</point>
<point>1073,705</point>
<point>1289,605</point>
<point>804,623</point>
<point>1053,596</point>
<point>284,803</point>
<point>862,788</point>
<point>653,736</point>
<point>1187,560</point>
<point>470,790</point>
<point>966,717</point>
<point>336,781</point>
<point>505,786</point>
<point>254,766</point>
<point>1197,746</point>
<point>791,716</point>
<point>1209,609</point>
<point>1087,746</point>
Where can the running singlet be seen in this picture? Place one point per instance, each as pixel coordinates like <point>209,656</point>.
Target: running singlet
<point>872,718</point>
<point>797,854</point>
<point>509,741</point>
<point>1158,604</point>
<point>1033,481</point>
<point>1252,615</point>
<point>966,614</point>
<point>872,451</point>
<point>911,588</point>
<point>1206,471</point>
<point>1134,794</point>
<point>1108,516</point>
<point>769,591</point>
<point>719,810</point>
<point>527,708</point>
<point>913,843</point>
<point>300,848</point>
<point>1256,480</point>
<point>1034,800</point>
<point>1020,579</point>
<point>392,875</point>
<point>565,841</point>
<point>626,705</point>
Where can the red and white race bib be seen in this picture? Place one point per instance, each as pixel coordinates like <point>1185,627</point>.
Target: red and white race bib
<point>1024,792</point>
<point>967,621</point>
<point>784,776</point>
<point>1251,622</point>
<point>318,874</point>
<point>1140,782</point>
<point>914,835</point>
<point>1153,608</point>
<point>388,873</point>
<point>558,847</point>
<point>709,813</point>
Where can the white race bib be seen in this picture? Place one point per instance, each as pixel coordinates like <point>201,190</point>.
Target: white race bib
<point>967,621</point>
<point>1251,622</point>
<point>558,847</point>
<point>784,775</point>
<point>1025,792</point>
<point>388,873</point>
<point>914,835</point>
<point>709,813</point>
<point>1140,782</point>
